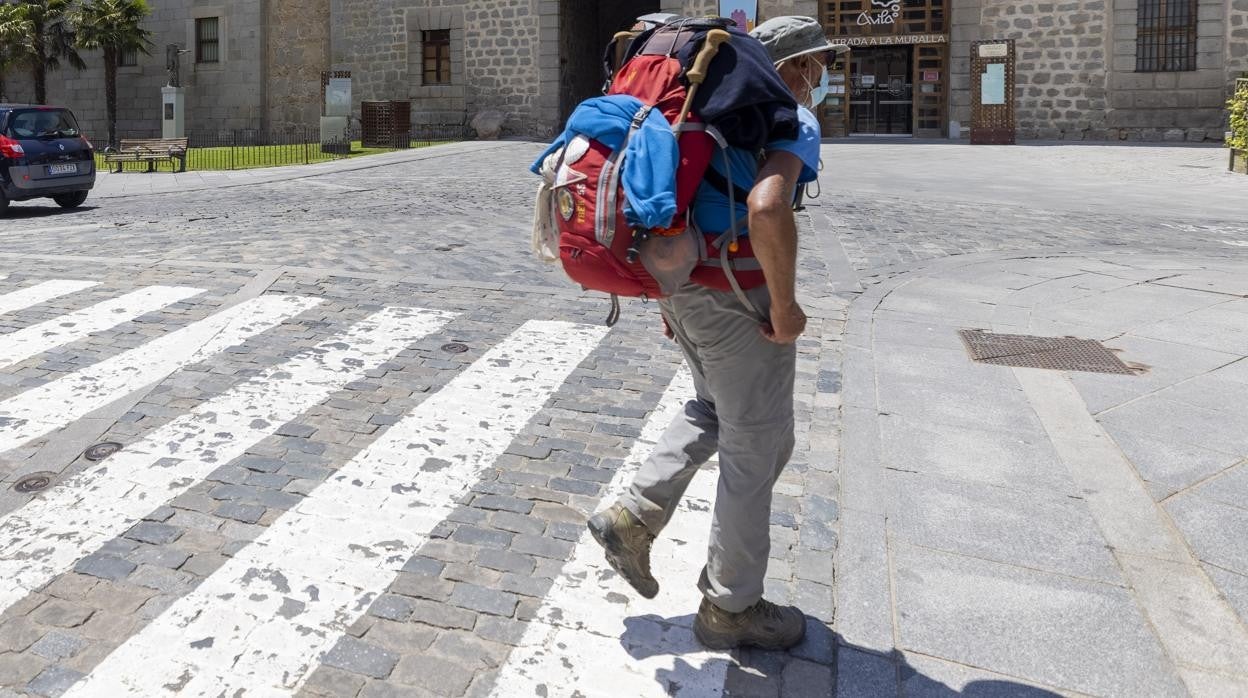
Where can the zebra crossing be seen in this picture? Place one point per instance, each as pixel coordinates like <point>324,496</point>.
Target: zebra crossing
<point>52,533</point>
<point>49,407</point>
<point>594,637</point>
<point>343,544</point>
<point>40,293</point>
<point>262,623</point>
<point>36,339</point>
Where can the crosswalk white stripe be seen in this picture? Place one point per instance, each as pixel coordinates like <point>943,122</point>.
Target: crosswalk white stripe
<point>48,407</point>
<point>40,293</point>
<point>259,623</point>
<point>49,535</point>
<point>594,636</point>
<point>29,341</point>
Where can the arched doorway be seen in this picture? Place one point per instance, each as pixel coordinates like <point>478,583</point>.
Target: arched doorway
<point>584,30</point>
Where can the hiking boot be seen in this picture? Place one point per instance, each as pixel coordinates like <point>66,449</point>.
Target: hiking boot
<point>627,542</point>
<point>764,625</point>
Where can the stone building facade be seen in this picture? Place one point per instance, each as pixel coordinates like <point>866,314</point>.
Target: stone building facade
<point>234,91</point>
<point>1078,73</point>
<point>1078,68</point>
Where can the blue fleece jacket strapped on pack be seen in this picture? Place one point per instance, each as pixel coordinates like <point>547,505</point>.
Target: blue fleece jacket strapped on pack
<point>650,159</point>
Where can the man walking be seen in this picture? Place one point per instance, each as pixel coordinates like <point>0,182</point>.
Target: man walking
<point>743,371</point>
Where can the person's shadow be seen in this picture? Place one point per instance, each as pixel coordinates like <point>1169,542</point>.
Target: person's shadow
<point>758,674</point>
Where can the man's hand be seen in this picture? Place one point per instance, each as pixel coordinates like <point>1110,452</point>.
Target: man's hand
<point>787,324</point>
<point>773,234</point>
<point>667,329</point>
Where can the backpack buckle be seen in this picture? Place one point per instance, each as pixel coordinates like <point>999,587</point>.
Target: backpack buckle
<point>640,117</point>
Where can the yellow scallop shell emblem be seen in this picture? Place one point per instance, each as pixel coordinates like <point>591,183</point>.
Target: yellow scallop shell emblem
<point>566,204</point>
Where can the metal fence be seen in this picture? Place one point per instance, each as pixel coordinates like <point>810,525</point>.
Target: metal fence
<point>239,149</point>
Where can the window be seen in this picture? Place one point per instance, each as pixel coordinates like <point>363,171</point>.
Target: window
<point>1166,36</point>
<point>36,123</point>
<point>207,40</point>
<point>436,46</point>
<point>128,58</point>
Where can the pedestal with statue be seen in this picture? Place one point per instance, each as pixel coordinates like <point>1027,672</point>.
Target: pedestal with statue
<point>172,96</point>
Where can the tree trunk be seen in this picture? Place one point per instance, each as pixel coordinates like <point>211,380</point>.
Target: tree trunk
<point>40,75</point>
<point>110,91</point>
<point>38,67</point>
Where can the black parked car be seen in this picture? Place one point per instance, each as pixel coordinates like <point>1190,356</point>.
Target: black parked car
<point>43,154</point>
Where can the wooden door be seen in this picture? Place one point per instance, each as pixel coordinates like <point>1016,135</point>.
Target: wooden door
<point>931,91</point>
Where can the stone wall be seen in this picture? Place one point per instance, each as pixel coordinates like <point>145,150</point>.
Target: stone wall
<point>19,88</point>
<point>496,50</point>
<point>1170,106</point>
<point>1076,76</point>
<point>298,51</point>
<point>1236,40</point>
<point>1061,65</point>
<point>224,96</point>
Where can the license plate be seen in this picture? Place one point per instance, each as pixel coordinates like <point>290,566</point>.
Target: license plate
<point>62,169</point>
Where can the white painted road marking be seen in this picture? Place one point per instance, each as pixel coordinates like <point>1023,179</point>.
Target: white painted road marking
<point>49,407</point>
<point>40,293</point>
<point>594,636</point>
<point>49,535</point>
<point>36,339</point>
<point>259,624</point>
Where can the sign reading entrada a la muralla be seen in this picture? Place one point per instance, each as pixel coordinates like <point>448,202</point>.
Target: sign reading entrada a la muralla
<point>899,40</point>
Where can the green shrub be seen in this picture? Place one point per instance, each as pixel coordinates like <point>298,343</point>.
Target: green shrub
<point>1238,107</point>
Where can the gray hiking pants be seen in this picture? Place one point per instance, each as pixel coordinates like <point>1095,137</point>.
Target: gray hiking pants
<point>744,410</point>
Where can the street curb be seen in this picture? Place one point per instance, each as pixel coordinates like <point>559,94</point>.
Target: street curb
<point>364,163</point>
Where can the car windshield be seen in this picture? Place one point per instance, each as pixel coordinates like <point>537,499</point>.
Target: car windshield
<point>42,123</point>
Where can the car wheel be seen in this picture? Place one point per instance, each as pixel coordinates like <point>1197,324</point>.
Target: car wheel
<point>73,200</point>
<point>4,205</point>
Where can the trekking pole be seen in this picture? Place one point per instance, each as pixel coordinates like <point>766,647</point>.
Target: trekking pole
<point>697,73</point>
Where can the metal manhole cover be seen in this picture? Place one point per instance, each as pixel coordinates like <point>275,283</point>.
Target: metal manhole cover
<point>101,451</point>
<point>1056,353</point>
<point>455,348</point>
<point>35,482</point>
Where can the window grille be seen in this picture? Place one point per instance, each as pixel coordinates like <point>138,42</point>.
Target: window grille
<point>1165,36</point>
<point>207,40</point>
<point>436,47</point>
<point>128,58</point>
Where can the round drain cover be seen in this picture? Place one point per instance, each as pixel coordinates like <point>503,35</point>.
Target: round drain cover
<point>35,482</point>
<point>102,450</point>
<point>455,348</point>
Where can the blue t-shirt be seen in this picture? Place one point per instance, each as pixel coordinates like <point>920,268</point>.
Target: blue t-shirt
<point>710,206</point>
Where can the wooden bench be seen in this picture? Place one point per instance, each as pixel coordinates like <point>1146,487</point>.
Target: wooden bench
<point>149,150</point>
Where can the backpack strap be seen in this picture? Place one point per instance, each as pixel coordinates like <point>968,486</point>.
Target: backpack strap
<point>721,185</point>
<point>724,245</point>
<point>614,316</point>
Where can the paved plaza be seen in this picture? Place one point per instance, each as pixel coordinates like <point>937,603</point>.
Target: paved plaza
<point>361,428</point>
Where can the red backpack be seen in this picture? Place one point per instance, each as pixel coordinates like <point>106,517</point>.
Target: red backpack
<point>584,198</point>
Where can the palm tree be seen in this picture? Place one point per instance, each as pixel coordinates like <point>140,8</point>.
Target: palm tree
<point>48,38</point>
<point>113,27</point>
<point>13,30</point>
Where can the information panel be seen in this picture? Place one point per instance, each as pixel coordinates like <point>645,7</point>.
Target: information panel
<point>992,88</point>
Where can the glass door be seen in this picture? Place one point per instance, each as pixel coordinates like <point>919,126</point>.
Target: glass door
<point>882,96</point>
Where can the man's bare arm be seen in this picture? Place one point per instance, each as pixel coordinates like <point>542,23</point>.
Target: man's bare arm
<point>773,235</point>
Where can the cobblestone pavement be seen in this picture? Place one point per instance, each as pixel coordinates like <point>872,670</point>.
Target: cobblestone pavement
<point>361,429</point>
